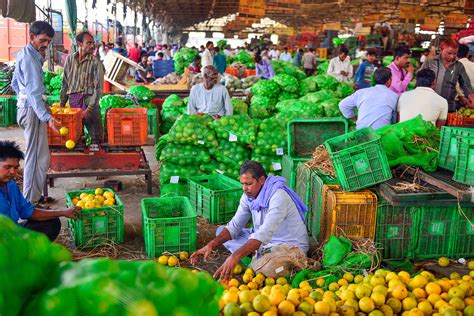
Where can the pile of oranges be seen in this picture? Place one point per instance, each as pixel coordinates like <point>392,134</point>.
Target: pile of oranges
<point>382,293</point>
<point>100,198</point>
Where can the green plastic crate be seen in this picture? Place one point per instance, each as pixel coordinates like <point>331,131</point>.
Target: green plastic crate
<point>448,149</point>
<point>50,99</point>
<point>303,182</point>
<point>464,228</point>
<point>13,110</point>
<point>315,202</point>
<point>305,135</point>
<point>394,231</point>
<point>6,108</point>
<point>152,123</point>
<point>464,171</point>
<point>96,226</point>
<point>359,159</point>
<point>215,197</point>
<point>169,224</point>
<point>288,170</point>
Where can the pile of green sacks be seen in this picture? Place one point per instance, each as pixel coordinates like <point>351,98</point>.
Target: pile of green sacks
<point>40,279</point>
<point>172,108</point>
<point>183,58</point>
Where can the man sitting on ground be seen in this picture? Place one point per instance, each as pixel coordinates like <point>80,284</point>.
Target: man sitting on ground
<point>377,106</point>
<point>278,240</point>
<point>424,101</point>
<point>14,205</point>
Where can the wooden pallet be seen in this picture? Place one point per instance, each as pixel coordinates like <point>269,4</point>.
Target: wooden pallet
<point>116,69</point>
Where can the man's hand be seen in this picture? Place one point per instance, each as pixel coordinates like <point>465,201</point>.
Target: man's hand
<point>411,68</point>
<point>86,113</point>
<point>225,271</point>
<point>73,212</point>
<point>355,86</point>
<point>470,101</point>
<point>344,73</point>
<point>53,123</point>
<point>464,101</point>
<point>204,251</point>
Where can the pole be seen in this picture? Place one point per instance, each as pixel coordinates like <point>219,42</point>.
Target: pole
<point>115,23</point>
<point>51,46</point>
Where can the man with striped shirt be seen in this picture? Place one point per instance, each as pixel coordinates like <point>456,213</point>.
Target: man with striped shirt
<point>83,82</point>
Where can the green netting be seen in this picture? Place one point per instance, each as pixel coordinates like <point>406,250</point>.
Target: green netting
<point>237,128</point>
<point>316,97</point>
<point>272,135</point>
<point>344,90</point>
<point>230,153</point>
<point>266,88</point>
<point>308,85</point>
<point>142,93</point>
<point>172,108</point>
<point>168,170</point>
<point>287,83</point>
<point>283,67</point>
<point>287,96</point>
<point>326,82</point>
<point>261,107</point>
<point>217,167</point>
<point>193,130</point>
<point>183,58</point>
<point>414,142</point>
<point>185,155</point>
<point>331,108</point>
<point>240,106</point>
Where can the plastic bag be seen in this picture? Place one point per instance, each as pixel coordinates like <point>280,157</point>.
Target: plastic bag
<point>335,250</point>
<point>266,88</point>
<point>185,155</point>
<point>193,130</point>
<point>286,82</point>
<point>236,128</point>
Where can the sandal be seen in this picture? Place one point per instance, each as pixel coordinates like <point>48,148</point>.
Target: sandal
<point>46,200</point>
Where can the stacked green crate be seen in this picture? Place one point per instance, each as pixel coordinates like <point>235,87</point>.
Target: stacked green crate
<point>464,169</point>
<point>448,149</point>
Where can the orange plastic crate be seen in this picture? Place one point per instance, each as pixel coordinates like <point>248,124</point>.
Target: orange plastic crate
<point>351,214</point>
<point>127,127</point>
<point>73,122</point>
<point>250,72</point>
<point>456,120</point>
<point>232,71</point>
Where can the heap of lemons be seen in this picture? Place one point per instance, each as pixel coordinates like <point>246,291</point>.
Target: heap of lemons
<point>173,260</point>
<point>382,293</point>
<point>100,198</point>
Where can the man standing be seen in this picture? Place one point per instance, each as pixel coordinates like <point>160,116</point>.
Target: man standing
<point>463,53</point>
<point>210,97</point>
<point>423,101</point>
<point>278,238</point>
<point>377,106</point>
<point>340,67</point>
<point>298,58</point>
<point>219,60</point>
<point>263,67</point>
<point>273,54</point>
<point>33,113</point>
<point>83,83</point>
<point>364,72</point>
<point>166,52</point>
<point>134,53</point>
<point>119,49</point>
<point>206,58</point>
<point>402,70</point>
<point>309,62</point>
<point>285,56</point>
<point>449,72</point>
<point>14,205</point>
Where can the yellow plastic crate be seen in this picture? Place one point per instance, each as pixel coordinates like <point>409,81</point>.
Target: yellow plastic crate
<point>351,214</point>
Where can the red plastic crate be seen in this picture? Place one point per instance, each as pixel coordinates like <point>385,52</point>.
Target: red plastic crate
<point>250,72</point>
<point>73,122</point>
<point>232,71</point>
<point>456,120</point>
<point>127,127</point>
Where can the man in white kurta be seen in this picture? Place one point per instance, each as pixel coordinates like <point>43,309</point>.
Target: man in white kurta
<point>210,97</point>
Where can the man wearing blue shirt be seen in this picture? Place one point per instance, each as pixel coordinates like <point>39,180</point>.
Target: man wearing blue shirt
<point>33,113</point>
<point>278,238</point>
<point>15,206</point>
<point>220,62</point>
<point>377,106</point>
<point>364,72</point>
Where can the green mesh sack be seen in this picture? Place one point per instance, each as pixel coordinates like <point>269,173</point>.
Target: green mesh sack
<point>193,130</point>
<point>240,106</point>
<point>236,128</point>
<point>288,96</point>
<point>230,153</point>
<point>142,93</point>
<point>326,82</point>
<point>387,60</point>
<point>308,85</point>
<point>414,142</point>
<point>271,137</point>
<point>183,58</point>
<point>323,68</point>
<point>287,83</point>
<point>185,155</point>
<point>282,105</point>
<point>108,287</point>
<point>335,250</point>
<point>331,108</point>
<point>344,90</point>
<point>271,163</point>
<point>168,170</point>
<point>245,58</point>
<point>283,67</point>
<point>260,112</point>
<point>172,108</point>
<point>316,97</point>
<point>301,110</point>
<point>267,88</point>
<point>216,167</point>
<point>27,260</point>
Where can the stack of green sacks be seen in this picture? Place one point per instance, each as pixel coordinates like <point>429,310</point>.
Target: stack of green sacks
<point>186,153</point>
<point>235,133</point>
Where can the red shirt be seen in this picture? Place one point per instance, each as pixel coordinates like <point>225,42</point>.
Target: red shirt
<point>134,54</point>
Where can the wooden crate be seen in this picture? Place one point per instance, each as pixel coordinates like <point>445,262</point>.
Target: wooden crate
<point>116,68</point>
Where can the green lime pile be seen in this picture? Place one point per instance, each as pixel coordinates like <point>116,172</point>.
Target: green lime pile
<point>240,106</point>
<point>192,130</point>
<point>271,163</point>
<point>172,108</point>
<point>271,137</point>
<point>236,128</point>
